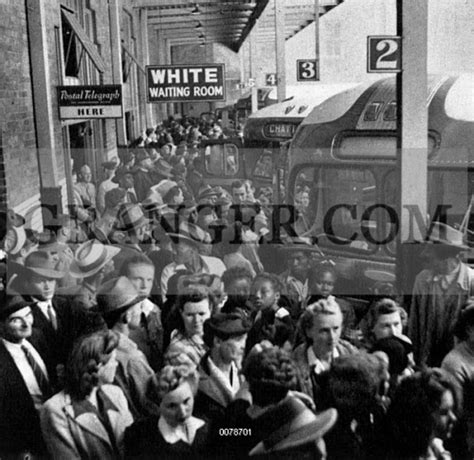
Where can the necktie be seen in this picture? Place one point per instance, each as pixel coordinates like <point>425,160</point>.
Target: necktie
<point>52,317</point>
<point>41,378</point>
<point>131,197</point>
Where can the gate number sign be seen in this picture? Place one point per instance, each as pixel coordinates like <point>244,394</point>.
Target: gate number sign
<point>307,70</point>
<point>384,54</point>
<point>271,79</point>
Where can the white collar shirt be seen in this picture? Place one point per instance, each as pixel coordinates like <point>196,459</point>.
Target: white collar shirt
<point>185,432</point>
<point>25,369</point>
<point>316,364</point>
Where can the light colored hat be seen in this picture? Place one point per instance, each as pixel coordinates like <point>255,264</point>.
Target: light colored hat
<point>447,236</point>
<point>90,258</point>
<point>163,187</point>
<point>130,216</point>
<point>116,295</point>
<point>17,239</point>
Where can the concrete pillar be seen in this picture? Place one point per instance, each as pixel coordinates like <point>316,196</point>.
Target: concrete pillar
<point>116,53</point>
<point>42,92</point>
<point>51,196</point>
<point>163,59</point>
<point>413,137</point>
<point>414,113</point>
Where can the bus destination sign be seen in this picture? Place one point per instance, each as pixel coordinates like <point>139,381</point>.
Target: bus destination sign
<point>279,130</point>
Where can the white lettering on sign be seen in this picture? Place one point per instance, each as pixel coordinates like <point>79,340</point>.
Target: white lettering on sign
<point>170,91</point>
<point>203,91</point>
<point>184,75</point>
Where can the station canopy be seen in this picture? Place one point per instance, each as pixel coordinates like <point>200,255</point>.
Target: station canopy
<point>227,21</point>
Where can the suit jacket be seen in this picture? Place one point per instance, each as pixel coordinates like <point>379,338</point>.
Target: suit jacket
<point>72,323</point>
<point>19,421</point>
<point>72,433</point>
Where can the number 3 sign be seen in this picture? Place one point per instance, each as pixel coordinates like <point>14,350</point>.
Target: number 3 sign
<point>384,54</point>
<point>307,70</point>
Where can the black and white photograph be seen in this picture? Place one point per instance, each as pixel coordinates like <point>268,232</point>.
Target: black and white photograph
<point>236,229</point>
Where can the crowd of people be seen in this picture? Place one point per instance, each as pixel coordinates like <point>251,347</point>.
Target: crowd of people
<point>162,318</point>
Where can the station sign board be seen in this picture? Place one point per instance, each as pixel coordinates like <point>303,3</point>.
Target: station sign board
<point>185,83</point>
<point>384,54</point>
<point>84,102</point>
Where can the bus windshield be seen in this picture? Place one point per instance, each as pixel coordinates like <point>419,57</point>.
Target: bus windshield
<point>339,207</point>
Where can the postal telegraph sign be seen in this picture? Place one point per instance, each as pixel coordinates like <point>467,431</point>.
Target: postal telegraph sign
<point>76,102</point>
<point>384,54</point>
<point>185,83</point>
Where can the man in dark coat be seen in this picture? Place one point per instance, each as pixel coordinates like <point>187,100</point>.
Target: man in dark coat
<point>24,380</point>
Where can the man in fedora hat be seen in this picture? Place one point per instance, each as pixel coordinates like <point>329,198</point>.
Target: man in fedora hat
<point>120,305</point>
<point>438,295</point>
<point>187,245</point>
<point>124,178</point>
<point>92,262</point>
<point>59,321</point>
<point>219,377</point>
<point>24,380</point>
<point>109,168</point>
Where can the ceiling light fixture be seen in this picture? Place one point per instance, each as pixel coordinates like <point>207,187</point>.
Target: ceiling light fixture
<point>195,11</point>
<point>201,36</point>
<point>198,26</point>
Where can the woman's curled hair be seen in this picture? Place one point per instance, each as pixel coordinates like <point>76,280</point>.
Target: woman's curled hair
<point>83,364</point>
<point>171,377</point>
<point>271,374</point>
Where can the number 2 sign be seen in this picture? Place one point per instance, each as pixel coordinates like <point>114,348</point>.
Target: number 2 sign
<point>384,54</point>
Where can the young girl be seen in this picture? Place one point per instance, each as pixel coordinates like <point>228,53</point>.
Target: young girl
<point>322,279</point>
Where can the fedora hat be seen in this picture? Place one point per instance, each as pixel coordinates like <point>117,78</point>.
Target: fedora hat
<point>15,240</point>
<point>191,233</point>
<point>153,202</point>
<point>120,173</point>
<point>116,296</point>
<point>130,216</point>
<point>163,187</point>
<point>110,165</point>
<point>141,155</point>
<point>445,235</point>
<point>10,303</point>
<point>91,257</point>
<point>207,193</point>
<point>163,168</point>
<point>39,263</point>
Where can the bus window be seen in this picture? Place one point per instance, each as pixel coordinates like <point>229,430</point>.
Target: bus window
<point>222,159</point>
<point>452,188</point>
<point>264,166</point>
<point>340,196</point>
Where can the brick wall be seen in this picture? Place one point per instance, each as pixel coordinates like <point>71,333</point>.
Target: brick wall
<point>16,107</point>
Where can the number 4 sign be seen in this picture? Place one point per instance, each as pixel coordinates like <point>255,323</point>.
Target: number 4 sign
<point>384,54</point>
<point>307,70</point>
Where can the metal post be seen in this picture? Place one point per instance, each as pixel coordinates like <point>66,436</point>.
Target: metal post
<point>280,49</point>
<point>316,33</point>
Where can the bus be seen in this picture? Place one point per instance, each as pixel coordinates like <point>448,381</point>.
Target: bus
<point>261,155</point>
<point>343,157</point>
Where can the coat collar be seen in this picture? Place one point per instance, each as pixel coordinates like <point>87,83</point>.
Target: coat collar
<point>84,414</point>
